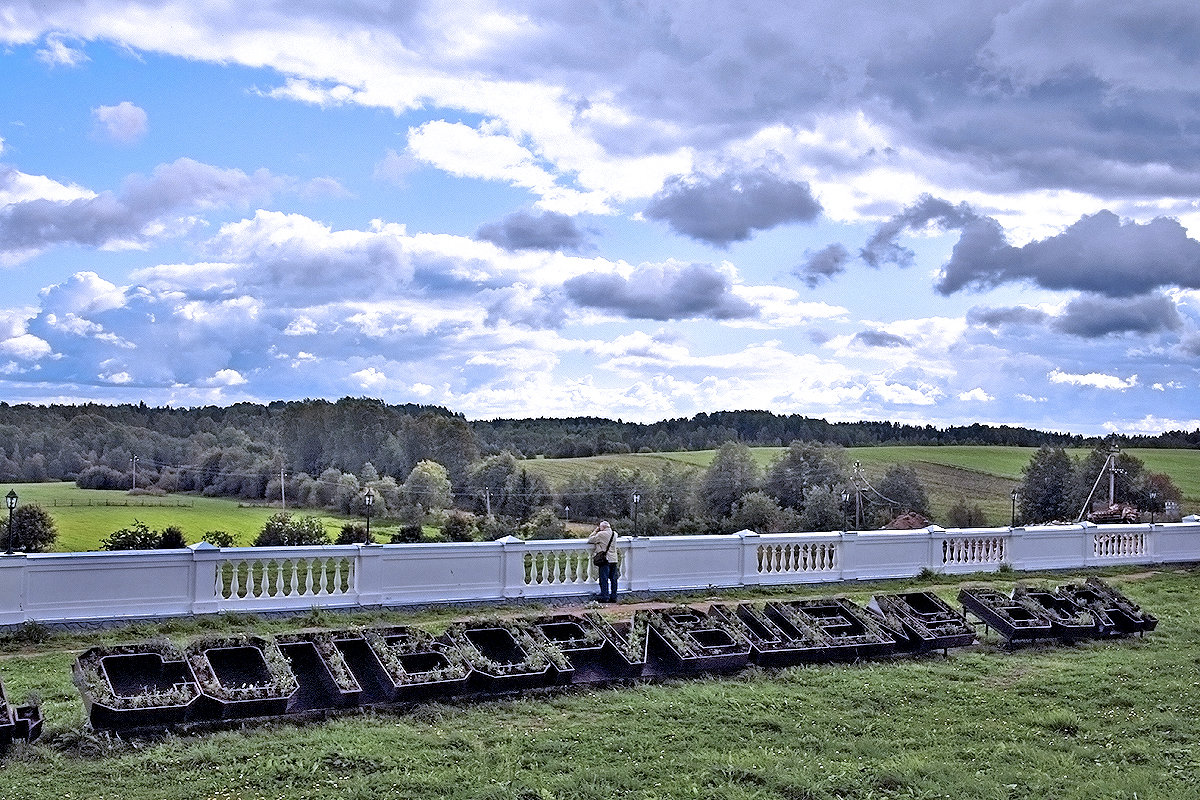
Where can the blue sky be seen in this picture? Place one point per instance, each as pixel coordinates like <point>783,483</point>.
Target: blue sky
<point>982,214</point>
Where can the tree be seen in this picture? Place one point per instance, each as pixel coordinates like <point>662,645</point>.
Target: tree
<point>33,528</point>
<point>1128,483</point>
<point>284,530</point>
<point>1046,488</point>
<point>488,479</point>
<point>732,473</point>
<point>525,492</point>
<point>960,515</point>
<point>757,512</point>
<point>544,524</point>
<point>803,466</point>
<point>901,485</point>
<point>428,485</point>
<point>823,510</point>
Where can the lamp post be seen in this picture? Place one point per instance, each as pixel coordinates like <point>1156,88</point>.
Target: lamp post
<point>1013,494</point>
<point>637,498</point>
<point>368,500</point>
<point>845,508</point>
<point>11,497</point>
<point>1153,503</point>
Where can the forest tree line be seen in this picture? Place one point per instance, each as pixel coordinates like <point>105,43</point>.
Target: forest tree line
<point>318,453</point>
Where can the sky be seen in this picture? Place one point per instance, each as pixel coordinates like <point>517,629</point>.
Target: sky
<point>921,212</point>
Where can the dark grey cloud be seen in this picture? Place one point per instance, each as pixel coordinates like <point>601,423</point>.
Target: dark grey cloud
<point>880,339</point>
<point>526,231</point>
<point>1099,253</point>
<point>107,217</point>
<point>1092,316</point>
<point>823,265</point>
<point>997,317</point>
<point>729,207</point>
<point>883,247</point>
<point>661,292</point>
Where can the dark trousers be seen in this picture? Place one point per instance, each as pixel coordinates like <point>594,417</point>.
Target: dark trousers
<point>608,582</point>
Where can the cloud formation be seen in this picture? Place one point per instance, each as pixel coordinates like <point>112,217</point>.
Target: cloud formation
<point>525,231</point>
<point>1100,253</point>
<point>729,207</point>
<point>661,292</point>
<point>1094,316</point>
<point>823,265</point>
<point>123,123</point>
<point>124,217</point>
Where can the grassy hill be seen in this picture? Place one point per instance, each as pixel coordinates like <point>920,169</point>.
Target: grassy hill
<point>979,474</point>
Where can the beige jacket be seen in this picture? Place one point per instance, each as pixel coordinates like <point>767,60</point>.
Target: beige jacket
<point>599,541</point>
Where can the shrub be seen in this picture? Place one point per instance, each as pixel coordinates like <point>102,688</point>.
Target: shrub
<point>137,536</point>
<point>497,527</point>
<point>218,538</point>
<point>171,538</point>
<point>544,524</point>
<point>101,478</point>
<point>33,528</point>
<point>353,533</point>
<point>284,530</point>
<point>408,534</point>
<point>459,527</point>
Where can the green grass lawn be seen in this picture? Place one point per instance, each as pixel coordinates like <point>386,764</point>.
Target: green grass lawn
<point>1095,721</point>
<point>83,518</point>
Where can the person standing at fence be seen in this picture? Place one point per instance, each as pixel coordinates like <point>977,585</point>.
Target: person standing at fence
<point>604,555</point>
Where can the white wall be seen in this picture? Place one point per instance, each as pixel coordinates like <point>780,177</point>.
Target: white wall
<point>74,587</point>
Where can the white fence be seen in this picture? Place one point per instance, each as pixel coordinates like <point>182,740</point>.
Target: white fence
<point>78,587</point>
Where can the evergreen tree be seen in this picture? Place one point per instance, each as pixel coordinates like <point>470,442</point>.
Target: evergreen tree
<point>1047,487</point>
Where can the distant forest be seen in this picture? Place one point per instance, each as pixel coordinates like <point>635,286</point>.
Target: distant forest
<point>240,449</point>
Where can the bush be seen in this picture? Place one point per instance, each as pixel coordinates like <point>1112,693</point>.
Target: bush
<point>218,538</point>
<point>497,527</point>
<point>33,528</point>
<point>408,534</point>
<point>101,478</point>
<point>544,524</point>
<point>459,527</point>
<point>137,536</point>
<point>171,538</point>
<point>284,530</point>
<point>353,533</point>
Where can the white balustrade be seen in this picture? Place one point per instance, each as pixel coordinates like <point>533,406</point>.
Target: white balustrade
<point>974,550</point>
<point>69,587</point>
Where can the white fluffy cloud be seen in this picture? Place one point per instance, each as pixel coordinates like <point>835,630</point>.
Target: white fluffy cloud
<point>123,123</point>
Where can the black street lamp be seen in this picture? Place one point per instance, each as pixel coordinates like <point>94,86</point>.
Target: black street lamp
<point>368,500</point>
<point>637,498</point>
<point>1014,494</point>
<point>845,508</point>
<point>11,497</point>
<point>1153,503</point>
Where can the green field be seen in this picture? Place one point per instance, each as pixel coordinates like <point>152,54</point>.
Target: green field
<point>983,475</point>
<point>979,474</point>
<point>85,516</point>
<point>1094,721</point>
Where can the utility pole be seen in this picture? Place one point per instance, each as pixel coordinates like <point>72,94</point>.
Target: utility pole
<point>282,489</point>
<point>487,500</point>
<point>134,461</point>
